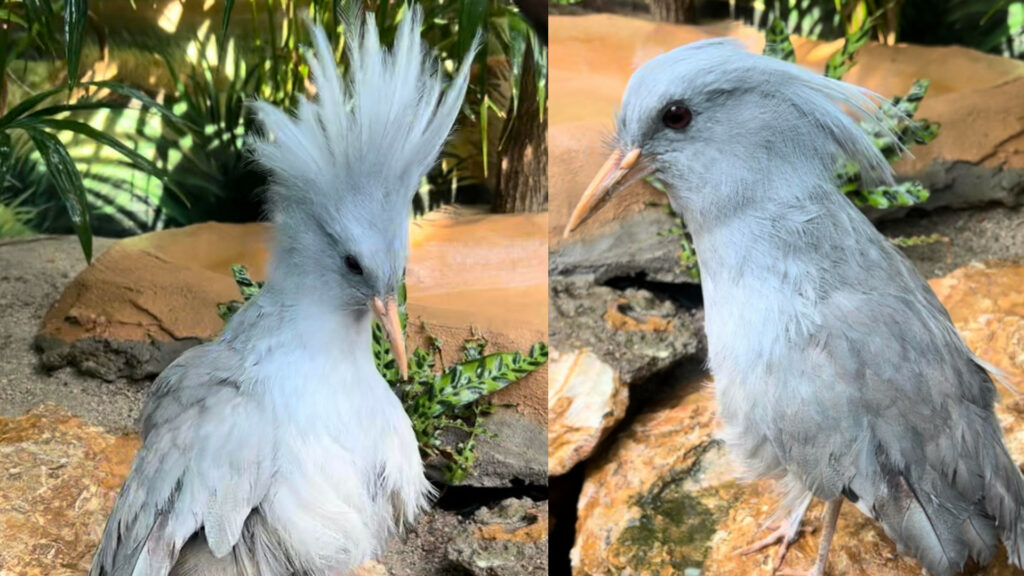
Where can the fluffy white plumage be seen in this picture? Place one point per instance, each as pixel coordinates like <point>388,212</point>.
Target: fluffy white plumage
<point>278,448</point>
<point>379,130</point>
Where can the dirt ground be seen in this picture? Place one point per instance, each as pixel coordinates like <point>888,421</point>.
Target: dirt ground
<point>33,272</point>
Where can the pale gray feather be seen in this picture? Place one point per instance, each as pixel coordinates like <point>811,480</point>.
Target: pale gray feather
<point>836,368</point>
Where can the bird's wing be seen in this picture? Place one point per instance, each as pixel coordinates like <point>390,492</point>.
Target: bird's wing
<point>205,462</point>
<point>895,413</point>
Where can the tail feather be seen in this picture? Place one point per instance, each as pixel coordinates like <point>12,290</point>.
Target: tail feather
<point>1004,501</point>
<point>982,538</point>
<point>927,528</point>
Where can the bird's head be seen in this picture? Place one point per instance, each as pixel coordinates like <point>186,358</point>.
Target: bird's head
<point>345,167</point>
<point>723,128</point>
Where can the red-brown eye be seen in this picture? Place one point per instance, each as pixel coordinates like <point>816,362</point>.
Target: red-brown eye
<point>353,265</point>
<point>677,117</point>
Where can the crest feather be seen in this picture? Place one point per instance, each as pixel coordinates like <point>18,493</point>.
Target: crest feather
<point>377,131</point>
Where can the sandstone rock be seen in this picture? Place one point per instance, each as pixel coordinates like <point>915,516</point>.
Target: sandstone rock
<point>986,303</point>
<point>585,399</point>
<point>148,298</point>
<point>653,500</point>
<point>663,498</point>
<point>58,479</point>
<point>611,324</point>
<point>978,156</point>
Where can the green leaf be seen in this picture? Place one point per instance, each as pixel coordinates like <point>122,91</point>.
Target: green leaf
<point>897,116</point>
<point>68,182</point>
<point>248,287</point>
<point>776,41</point>
<point>6,157</point>
<point>483,130</point>
<point>101,137</point>
<point>471,14</point>
<point>75,12</point>
<point>25,105</point>
<point>842,61</point>
<point>466,382</point>
<point>882,197</point>
<point>141,96</point>
<point>225,21</point>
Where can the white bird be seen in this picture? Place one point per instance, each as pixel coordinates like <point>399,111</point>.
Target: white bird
<point>836,368</point>
<point>278,449</point>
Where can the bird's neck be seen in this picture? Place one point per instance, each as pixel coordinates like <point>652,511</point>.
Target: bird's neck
<point>309,333</point>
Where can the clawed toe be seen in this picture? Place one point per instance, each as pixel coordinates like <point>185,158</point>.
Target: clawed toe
<point>782,535</point>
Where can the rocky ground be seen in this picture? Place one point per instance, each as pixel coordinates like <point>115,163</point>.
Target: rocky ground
<point>68,416</point>
<point>33,273</point>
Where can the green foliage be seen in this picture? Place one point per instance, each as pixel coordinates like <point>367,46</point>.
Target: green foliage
<point>437,398</point>
<point>31,26</point>
<point>777,43</point>
<point>246,286</point>
<point>995,26</point>
<point>687,253</point>
<point>898,117</point>
<point>180,157</point>
<point>841,62</point>
<point>14,220</point>
<point>903,194</point>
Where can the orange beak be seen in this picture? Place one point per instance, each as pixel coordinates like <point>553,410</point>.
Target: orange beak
<point>601,187</point>
<point>387,314</point>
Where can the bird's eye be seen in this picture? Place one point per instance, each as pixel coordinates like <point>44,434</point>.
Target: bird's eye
<point>353,265</point>
<point>677,117</point>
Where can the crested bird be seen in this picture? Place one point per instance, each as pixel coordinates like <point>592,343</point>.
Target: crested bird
<point>278,449</point>
<point>837,370</point>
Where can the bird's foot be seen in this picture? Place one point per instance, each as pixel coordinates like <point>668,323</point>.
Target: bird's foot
<point>784,535</point>
<point>828,530</point>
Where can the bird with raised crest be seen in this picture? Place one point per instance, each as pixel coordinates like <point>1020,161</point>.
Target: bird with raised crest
<point>278,449</point>
<point>837,370</point>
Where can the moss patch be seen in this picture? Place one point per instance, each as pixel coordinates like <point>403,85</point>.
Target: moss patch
<point>678,519</point>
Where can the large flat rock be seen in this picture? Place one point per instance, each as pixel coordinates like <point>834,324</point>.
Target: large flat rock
<point>978,156</point>
<point>664,497</point>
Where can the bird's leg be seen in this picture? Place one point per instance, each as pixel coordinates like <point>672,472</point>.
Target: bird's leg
<point>785,534</point>
<point>828,530</point>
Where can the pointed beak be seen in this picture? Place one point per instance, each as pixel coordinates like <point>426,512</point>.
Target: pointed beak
<point>604,184</point>
<point>387,314</point>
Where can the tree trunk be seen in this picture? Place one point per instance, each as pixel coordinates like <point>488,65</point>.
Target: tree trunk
<point>676,11</point>
<point>523,158</point>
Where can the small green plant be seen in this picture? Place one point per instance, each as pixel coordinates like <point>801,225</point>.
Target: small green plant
<point>436,397</point>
